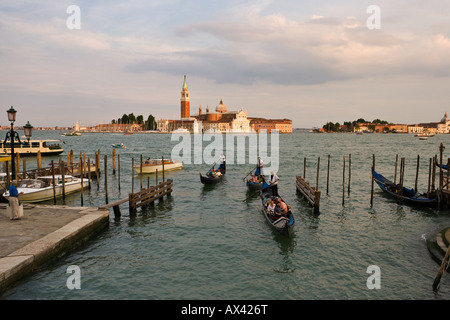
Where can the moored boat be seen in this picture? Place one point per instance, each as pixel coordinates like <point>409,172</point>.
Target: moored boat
<point>118,145</point>
<point>285,224</point>
<point>151,165</point>
<point>405,194</point>
<point>41,189</point>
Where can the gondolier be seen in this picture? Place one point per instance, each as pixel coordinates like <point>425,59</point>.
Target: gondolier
<point>222,162</point>
<point>259,166</point>
<point>273,181</point>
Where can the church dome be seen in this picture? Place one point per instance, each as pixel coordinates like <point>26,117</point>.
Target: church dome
<point>444,119</point>
<point>221,107</point>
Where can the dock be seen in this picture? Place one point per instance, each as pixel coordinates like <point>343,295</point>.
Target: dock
<point>44,233</point>
<point>309,193</point>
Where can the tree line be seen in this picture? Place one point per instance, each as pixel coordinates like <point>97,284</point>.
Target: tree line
<point>351,125</point>
<point>149,124</point>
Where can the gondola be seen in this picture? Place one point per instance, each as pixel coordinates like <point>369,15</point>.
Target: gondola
<point>206,179</point>
<point>407,195</point>
<point>284,225</point>
<point>444,166</point>
<point>254,185</point>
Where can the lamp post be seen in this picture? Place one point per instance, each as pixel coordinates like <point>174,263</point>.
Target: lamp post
<point>13,135</point>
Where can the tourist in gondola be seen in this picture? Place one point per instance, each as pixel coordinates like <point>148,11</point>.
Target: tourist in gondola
<point>270,206</point>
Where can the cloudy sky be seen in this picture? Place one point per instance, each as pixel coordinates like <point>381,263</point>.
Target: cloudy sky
<point>309,61</point>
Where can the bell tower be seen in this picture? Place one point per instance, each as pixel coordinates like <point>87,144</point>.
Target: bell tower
<point>185,101</point>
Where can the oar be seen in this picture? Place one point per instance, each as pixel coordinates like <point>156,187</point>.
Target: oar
<point>212,167</point>
<point>248,174</point>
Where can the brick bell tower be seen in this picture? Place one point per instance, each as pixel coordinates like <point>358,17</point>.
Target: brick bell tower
<point>185,101</point>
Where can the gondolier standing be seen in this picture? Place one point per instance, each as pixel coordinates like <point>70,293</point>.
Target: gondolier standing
<point>273,181</point>
<point>222,161</point>
<point>259,166</point>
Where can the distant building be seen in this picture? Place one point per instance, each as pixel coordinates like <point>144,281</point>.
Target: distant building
<point>442,126</point>
<point>282,125</point>
<point>117,127</point>
<point>219,120</point>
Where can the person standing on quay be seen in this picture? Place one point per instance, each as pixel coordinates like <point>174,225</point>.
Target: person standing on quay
<point>14,200</point>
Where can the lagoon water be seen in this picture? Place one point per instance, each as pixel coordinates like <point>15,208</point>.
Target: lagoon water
<point>207,243</point>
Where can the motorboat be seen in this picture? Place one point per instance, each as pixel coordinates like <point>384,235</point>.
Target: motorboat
<point>32,147</point>
<point>151,165</point>
<point>41,188</point>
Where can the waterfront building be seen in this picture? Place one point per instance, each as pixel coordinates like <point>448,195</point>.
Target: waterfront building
<point>219,119</point>
<point>442,126</point>
<point>282,125</point>
<point>117,127</point>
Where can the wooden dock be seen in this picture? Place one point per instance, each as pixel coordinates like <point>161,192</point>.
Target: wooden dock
<point>142,198</point>
<point>309,193</point>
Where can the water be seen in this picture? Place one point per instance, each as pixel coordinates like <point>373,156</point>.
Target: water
<point>207,243</point>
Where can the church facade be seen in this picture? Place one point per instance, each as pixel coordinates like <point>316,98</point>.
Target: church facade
<point>442,126</point>
<point>220,119</point>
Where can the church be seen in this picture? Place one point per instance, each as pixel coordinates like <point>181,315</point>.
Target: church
<point>219,120</point>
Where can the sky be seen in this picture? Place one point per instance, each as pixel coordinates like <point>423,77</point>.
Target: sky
<point>308,61</point>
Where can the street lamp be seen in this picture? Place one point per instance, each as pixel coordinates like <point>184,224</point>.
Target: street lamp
<point>13,135</point>
<point>28,128</point>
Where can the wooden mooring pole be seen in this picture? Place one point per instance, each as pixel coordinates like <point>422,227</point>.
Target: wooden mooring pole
<point>443,267</point>
<point>317,174</point>
<point>106,177</point>
<point>343,181</point>
<point>328,173</point>
<point>349,172</point>
<point>53,183</point>
<point>118,164</point>
<point>417,173</point>
<point>373,180</point>
<point>114,160</point>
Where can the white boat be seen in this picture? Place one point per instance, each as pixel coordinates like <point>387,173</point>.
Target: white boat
<point>71,134</point>
<point>150,166</point>
<point>181,130</point>
<point>41,189</point>
<point>31,148</point>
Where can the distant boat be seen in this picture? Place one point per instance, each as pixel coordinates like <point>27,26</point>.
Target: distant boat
<point>118,145</point>
<point>421,135</point>
<point>423,138</point>
<point>181,130</point>
<point>71,134</point>
<point>150,166</point>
